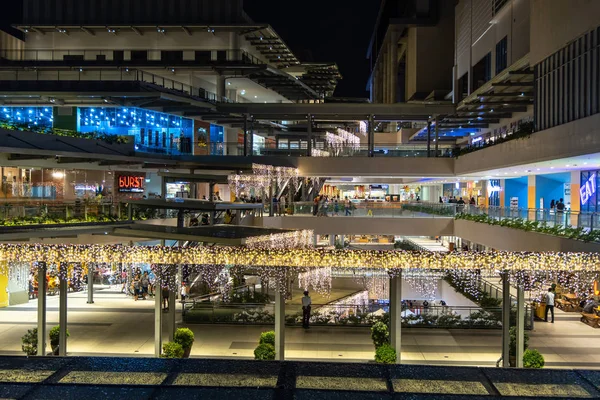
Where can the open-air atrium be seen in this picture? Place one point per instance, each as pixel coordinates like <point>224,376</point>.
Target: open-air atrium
<point>226,199</point>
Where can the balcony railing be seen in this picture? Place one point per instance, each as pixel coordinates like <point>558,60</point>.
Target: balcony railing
<point>124,57</point>
<point>271,149</point>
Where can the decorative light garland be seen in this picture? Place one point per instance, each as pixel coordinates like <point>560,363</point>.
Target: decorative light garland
<point>262,178</point>
<point>289,240</point>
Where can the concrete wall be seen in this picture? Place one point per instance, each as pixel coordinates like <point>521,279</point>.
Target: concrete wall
<point>555,23</point>
<point>572,139</point>
<point>375,166</point>
<point>427,226</point>
<point>508,239</point>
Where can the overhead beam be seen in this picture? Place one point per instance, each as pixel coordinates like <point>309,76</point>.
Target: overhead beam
<point>136,30</point>
<point>464,126</point>
<point>22,157</point>
<point>88,31</point>
<point>186,30</point>
<point>507,94</point>
<point>74,160</point>
<point>513,84</point>
<point>529,72</point>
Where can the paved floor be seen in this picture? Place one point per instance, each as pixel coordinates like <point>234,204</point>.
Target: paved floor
<point>116,325</point>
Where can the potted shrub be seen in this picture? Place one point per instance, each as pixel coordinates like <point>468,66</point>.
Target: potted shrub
<point>533,359</point>
<point>172,350</point>
<point>30,342</point>
<point>185,337</point>
<point>267,337</point>
<point>380,334</point>
<point>264,351</point>
<point>512,348</point>
<point>54,339</point>
<point>385,354</point>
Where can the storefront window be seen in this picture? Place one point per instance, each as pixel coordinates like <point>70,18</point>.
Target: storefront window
<point>153,131</point>
<point>30,116</point>
<point>587,191</point>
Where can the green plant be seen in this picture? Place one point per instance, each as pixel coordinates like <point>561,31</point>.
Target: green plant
<point>385,354</point>
<point>267,338</point>
<point>55,336</point>
<point>380,334</point>
<point>30,342</point>
<point>185,337</point>
<point>512,347</point>
<point>172,350</point>
<point>533,359</point>
<point>264,351</point>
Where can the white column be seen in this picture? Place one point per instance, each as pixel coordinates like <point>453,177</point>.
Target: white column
<point>90,285</point>
<point>172,280</point>
<point>332,240</point>
<point>396,314</point>
<point>157,316</point>
<point>62,313</point>
<point>505,321</point>
<point>520,326</point>
<point>41,318</point>
<point>221,92</point>
<point>279,325</point>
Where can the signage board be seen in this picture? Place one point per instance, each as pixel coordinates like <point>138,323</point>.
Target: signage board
<point>587,189</point>
<point>130,183</point>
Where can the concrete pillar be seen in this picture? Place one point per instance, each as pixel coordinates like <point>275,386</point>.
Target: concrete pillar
<point>309,135</point>
<point>342,239</point>
<point>393,68</point>
<point>211,195</point>
<point>251,138</point>
<point>41,309</point>
<point>271,210</point>
<point>437,135</point>
<point>157,316</point>
<point>332,240</point>
<point>279,325</point>
<point>90,279</point>
<point>505,320</point>
<point>221,91</point>
<point>130,276</point>
<point>428,138</point>
<point>234,47</point>
<point>172,302</point>
<point>520,326</point>
<point>371,136</point>
<point>315,239</point>
<point>396,314</point>
<point>62,311</point>
<point>245,153</point>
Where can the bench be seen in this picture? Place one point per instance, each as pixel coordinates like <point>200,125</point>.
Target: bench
<point>566,306</point>
<point>590,319</point>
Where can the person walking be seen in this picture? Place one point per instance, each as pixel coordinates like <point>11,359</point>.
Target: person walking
<point>316,206</point>
<point>347,206</point>
<point>145,282</point>
<point>549,304</point>
<point>306,303</point>
<point>165,298</point>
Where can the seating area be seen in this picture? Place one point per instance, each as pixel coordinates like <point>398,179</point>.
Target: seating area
<point>590,319</point>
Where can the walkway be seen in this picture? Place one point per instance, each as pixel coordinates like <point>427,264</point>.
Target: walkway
<point>117,326</point>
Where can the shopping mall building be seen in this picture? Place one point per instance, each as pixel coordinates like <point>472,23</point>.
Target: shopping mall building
<point>129,125</point>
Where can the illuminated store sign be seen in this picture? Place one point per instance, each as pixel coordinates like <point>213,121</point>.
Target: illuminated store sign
<point>130,183</point>
<point>588,189</point>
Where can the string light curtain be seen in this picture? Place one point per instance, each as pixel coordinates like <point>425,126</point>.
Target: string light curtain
<point>262,177</point>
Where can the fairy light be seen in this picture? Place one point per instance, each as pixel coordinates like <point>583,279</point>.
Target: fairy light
<point>262,178</point>
<point>572,270</point>
<point>289,240</point>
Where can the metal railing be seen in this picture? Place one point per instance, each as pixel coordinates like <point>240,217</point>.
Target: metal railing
<point>460,317</point>
<point>368,209</point>
<point>99,57</point>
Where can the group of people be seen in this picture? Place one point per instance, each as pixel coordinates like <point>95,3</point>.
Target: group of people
<point>322,203</point>
<point>558,205</point>
<point>460,201</point>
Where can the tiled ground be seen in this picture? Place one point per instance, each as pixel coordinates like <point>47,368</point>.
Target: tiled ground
<point>116,325</point>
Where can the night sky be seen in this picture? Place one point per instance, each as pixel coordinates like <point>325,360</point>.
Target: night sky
<point>315,30</point>
<point>325,30</point>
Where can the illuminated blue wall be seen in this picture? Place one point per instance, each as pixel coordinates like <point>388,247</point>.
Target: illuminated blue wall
<point>153,131</point>
<point>516,187</point>
<point>31,116</point>
<point>550,187</point>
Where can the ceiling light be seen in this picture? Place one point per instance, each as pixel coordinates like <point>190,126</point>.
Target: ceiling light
<point>568,165</point>
<point>243,92</point>
<point>256,97</point>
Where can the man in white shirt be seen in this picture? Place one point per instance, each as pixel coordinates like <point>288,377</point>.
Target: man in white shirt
<point>306,303</point>
<point>549,304</point>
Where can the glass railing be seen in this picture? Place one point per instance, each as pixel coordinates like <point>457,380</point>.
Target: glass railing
<point>32,212</point>
<point>381,150</point>
<point>460,317</point>
<point>373,209</point>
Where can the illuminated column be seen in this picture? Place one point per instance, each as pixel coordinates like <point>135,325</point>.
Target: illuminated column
<point>505,320</point>
<point>520,326</point>
<point>396,314</point>
<point>41,309</point>
<point>309,120</point>
<point>437,136</point>
<point>157,315</point>
<point>62,311</point>
<point>531,198</point>
<point>429,138</point>
<point>279,325</point>
<point>90,279</point>
<point>502,192</point>
<point>575,197</point>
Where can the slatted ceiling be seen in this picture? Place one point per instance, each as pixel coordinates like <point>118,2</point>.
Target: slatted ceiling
<point>463,26</point>
<point>135,12</point>
<point>482,15</point>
